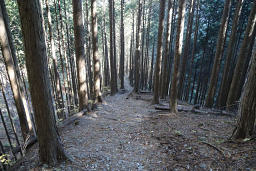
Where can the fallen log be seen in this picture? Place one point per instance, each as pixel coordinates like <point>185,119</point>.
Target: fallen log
<point>72,119</point>
<point>145,92</point>
<point>196,111</point>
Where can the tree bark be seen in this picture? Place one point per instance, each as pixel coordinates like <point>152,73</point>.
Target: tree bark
<point>186,48</point>
<point>24,117</point>
<point>112,60</point>
<point>114,43</point>
<point>166,54</point>
<point>178,50</point>
<point>50,148</point>
<point>80,53</point>
<point>223,93</point>
<point>152,67</point>
<point>247,111</point>
<point>219,48</point>
<point>59,94</point>
<point>237,76</point>
<point>122,43</point>
<point>106,63</point>
<point>137,51</point>
<point>96,59</point>
<point>159,53</point>
<point>131,73</point>
<point>193,53</point>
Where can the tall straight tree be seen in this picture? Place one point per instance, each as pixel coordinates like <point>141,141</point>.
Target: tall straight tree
<point>237,77</point>
<point>106,62</point>
<point>159,52</point>
<point>247,111</point>
<point>164,84</point>
<point>59,94</point>
<point>96,59</point>
<point>193,53</point>
<point>178,50</point>
<point>186,48</point>
<point>122,52</point>
<point>113,80</point>
<point>50,148</point>
<point>223,93</point>
<point>137,51</point>
<point>22,109</point>
<point>114,40</point>
<point>219,49</point>
<point>80,53</point>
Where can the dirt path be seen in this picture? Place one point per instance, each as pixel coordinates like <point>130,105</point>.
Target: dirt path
<point>114,136</point>
<point>128,134</point>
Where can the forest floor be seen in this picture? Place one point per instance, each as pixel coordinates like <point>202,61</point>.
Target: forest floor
<point>127,133</point>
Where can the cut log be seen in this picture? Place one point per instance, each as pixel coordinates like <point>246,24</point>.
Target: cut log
<point>72,119</point>
<point>182,108</point>
<point>145,92</point>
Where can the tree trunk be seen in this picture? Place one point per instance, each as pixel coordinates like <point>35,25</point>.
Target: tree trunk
<point>237,76</point>
<point>186,49</point>
<point>59,94</point>
<point>152,66</point>
<point>112,60</point>
<point>178,50</point>
<point>159,53</point>
<point>131,73</point>
<point>64,63</point>
<point>166,51</point>
<point>106,63</point>
<point>88,51</point>
<point>122,52</point>
<point>137,51</point>
<point>50,148</point>
<point>24,117</point>
<point>219,48</point>
<point>223,93</point>
<point>96,59</point>
<point>114,42</point>
<point>142,47</point>
<point>80,53</point>
<point>247,61</point>
<point>193,53</point>
<point>247,111</point>
<point>71,59</point>
<point>171,51</point>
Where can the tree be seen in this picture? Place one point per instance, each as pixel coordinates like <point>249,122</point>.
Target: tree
<point>22,109</point>
<point>137,51</point>
<point>96,60</point>
<point>219,49</point>
<point>178,50</point>
<point>166,55</point>
<point>159,53</point>
<point>223,93</point>
<point>50,148</point>
<point>247,111</point>
<point>80,53</point>
<point>59,94</point>
<point>186,48</point>
<point>237,76</point>
<point>106,62</point>
<point>193,54</point>
<point>152,66</point>
<point>122,43</point>
<point>147,66</point>
<point>88,50</point>
<point>113,84</point>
